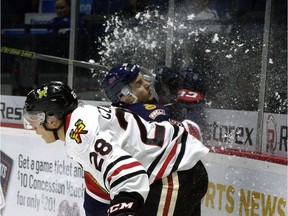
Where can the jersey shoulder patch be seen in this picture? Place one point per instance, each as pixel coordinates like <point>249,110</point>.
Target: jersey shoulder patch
<point>149,106</point>
<point>76,133</point>
<point>153,115</point>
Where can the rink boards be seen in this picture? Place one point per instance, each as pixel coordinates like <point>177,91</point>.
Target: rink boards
<point>37,179</point>
<point>225,129</point>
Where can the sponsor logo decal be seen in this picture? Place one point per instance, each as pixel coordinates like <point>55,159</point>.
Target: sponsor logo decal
<point>229,134</point>
<point>276,136</point>
<point>271,134</point>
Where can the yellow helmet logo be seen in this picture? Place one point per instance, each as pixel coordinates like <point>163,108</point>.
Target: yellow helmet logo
<point>42,93</point>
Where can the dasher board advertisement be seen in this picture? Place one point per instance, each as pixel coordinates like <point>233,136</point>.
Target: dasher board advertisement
<point>229,129</point>
<point>38,178</point>
<point>244,187</point>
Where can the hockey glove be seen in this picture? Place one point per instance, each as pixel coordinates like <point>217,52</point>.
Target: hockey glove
<point>185,95</point>
<point>190,78</point>
<point>124,205</point>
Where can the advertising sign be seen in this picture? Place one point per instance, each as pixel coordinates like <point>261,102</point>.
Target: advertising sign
<point>230,129</point>
<point>37,178</point>
<point>244,187</point>
<point>275,135</point>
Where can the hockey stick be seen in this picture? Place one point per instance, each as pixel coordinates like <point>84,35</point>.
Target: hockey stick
<point>55,59</point>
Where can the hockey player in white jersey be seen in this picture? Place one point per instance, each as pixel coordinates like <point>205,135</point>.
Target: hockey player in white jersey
<point>130,87</point>
<point>123,152</point>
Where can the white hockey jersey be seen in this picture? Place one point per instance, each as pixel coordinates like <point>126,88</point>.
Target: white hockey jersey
<point>123,152</point>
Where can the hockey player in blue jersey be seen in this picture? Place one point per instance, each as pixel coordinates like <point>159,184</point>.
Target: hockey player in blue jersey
<point>128,87</point>
<point>180,95</point>
<point>129,158</point>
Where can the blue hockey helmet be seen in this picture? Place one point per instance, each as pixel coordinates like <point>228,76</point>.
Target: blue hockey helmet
<point>119,77</point>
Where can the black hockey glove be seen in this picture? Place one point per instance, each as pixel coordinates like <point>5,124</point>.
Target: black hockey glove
<point>125,204</point>
<point>190,78</point>
<point>166,84</point>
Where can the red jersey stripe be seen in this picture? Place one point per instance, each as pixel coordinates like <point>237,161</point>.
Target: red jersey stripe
<point>167,161</point>
<point>123,167</point>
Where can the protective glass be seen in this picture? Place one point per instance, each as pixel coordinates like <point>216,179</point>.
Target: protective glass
<point>33,119</point>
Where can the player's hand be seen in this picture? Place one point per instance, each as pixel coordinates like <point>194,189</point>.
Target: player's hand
<point>185,95</point>
<point>123,205</point>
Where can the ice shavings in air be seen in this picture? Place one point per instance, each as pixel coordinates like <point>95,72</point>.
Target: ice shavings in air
<point>144,38</point>
<point>270,61</point>
<point>134,38</point>
<point>190,17</point>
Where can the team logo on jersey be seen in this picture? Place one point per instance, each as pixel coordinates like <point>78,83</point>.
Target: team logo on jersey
<point>42,93</point>
<point>76,134</point>
<point>149,106</point>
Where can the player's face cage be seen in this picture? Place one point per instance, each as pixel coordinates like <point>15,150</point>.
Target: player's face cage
<point>32,119</point>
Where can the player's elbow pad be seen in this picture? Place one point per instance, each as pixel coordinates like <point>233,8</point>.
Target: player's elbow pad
<point>125,204</point>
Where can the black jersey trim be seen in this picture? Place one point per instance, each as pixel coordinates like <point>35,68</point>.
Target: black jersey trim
<point>111,165</point>
<point>128,176</point>
<point>176,131</point>
<point>182,151</point>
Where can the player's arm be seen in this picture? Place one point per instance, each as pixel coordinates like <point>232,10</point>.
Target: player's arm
<point>126,180</point>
